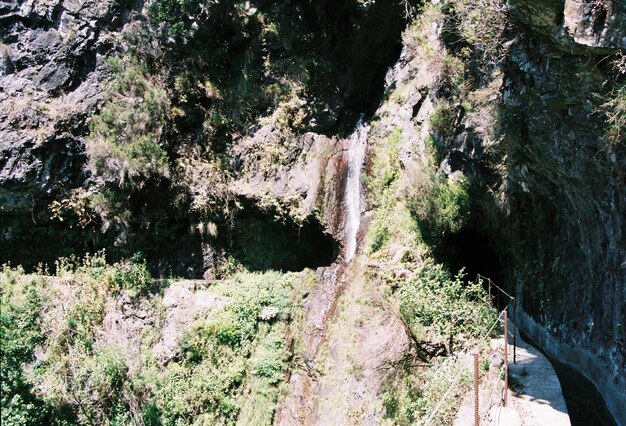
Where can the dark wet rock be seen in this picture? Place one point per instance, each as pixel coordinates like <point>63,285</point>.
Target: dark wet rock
<point>577,26</point>
<point>52,55</point>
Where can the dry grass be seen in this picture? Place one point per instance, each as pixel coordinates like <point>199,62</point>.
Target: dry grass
<point>615,110</point>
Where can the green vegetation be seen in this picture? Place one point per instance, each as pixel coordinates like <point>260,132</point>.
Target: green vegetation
<point>433,300</point>
<point>131,275</point>
<point>441,119</point>
<point>126,142</point>
<point>446,317</point>
<point>392,224</point>
<point>441,206</point>
<point>481,24</point>
<point>239,348</point>
<point>179,15</point>
<point>20,305</point>
<point>417,205</point>
<point>83,347</point>
<point>202,177</point>
<point>91,368</point>
<point>386,168</point>
<point>615,110</point>
<point>410,398</point>
<point>200,77</point>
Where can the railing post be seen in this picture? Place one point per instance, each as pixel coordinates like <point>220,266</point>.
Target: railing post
<point>515,335</point>
<point>498,298</point>
<point>506,356</point>
<point>476,416</point>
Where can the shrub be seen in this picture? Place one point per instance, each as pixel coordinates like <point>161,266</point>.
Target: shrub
<point>20,305</point>
<point>132,275</point>
<point>253,293</point>
<point>615,110</point>
<point>204,393</point>
<point>180,15</point>
<point>441,206</point>
<point>381,184</point>
<point>414,396</point>
<point>206,180</point>
<point>173,12</point>
<point>218,356</point>
<point>269,361</point>
<point>444,315</point>
<point>453,71</point>
<point>416,36</point>
<point>229,363</point>
<point>91,383</point>
<point>76,207</point>
<point>483,23</point>
<point>386,167</point>
<point>378,234</point>
<point>441,119</point>
<point>441,303</point>
<point>125,143</point>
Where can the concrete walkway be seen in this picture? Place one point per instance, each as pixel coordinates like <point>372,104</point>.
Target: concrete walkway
<point>534,399</point>
<point>536,392</point>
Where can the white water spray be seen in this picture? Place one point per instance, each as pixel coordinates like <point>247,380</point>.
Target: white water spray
<point>356,147</point>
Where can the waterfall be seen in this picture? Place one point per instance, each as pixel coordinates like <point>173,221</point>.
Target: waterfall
<point>356,146</point>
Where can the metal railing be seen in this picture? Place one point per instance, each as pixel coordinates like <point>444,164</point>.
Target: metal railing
<point>512,301</point>
<point>502,318</point>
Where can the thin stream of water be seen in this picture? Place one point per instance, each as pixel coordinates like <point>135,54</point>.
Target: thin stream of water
<point>353,197</point>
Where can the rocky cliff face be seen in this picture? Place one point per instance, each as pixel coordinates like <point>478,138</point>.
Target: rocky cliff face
<point>568,193</point>
<point>559,183</point>
<point>576,25</point>
<point>52,65</point>
<point>55,75</point>
<point>52,54</point>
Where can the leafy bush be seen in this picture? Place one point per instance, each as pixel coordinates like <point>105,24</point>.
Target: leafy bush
<point>126,135</point>
<point>445,305</point>
<point>444,315</point>
<point>218,356</point>
<point>453,71</point>
<point>482,23</point>
<point>386,168</point>
<point>390,220</point>
<point>85,377</point>
<point>441,119</point>
<point>93,270</point>
<point>20,305</point>
<point>204,392</point>
<point>132,275</point>
<point>378,233</point>
<point>269,362</point>
<point>76,207</point>
<point>180,15</point>
<point>440,205</point>
<point>91,383</point>
<point>173,12</point>
<point>252,293</point>
<point>206,180</point>
<point>412,397</point>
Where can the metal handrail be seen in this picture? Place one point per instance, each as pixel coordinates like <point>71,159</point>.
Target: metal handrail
<point>495,285</point>
<point>512,298</point>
